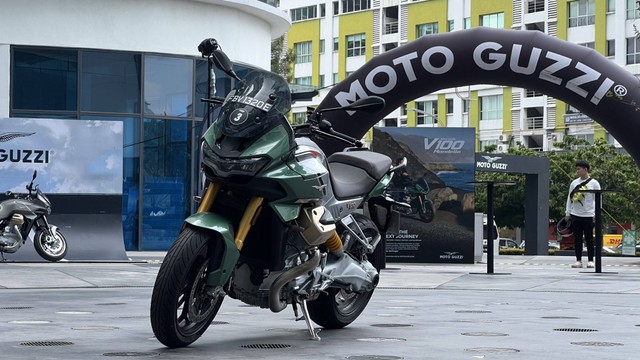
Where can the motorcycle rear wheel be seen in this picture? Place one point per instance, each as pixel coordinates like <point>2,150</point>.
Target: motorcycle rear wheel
<point>51,248</point>
<point>182,306</point>
<point>339,308</point>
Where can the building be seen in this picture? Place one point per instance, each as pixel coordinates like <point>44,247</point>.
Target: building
<point>333,38</point>
<point>135,62</point>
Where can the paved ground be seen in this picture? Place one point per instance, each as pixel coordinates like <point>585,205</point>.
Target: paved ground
<point>541,309</point>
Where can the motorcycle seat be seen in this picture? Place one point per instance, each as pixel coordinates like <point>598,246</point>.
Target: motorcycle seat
<point>355,173</point>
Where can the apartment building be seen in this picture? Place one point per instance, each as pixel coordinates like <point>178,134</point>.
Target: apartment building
<point>333,38</point>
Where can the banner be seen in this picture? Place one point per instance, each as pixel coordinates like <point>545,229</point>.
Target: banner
<point>71,156</point>
<point>438,225</point>
<point>629,240</point>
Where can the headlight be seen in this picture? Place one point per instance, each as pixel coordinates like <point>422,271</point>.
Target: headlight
<point>225,167</point>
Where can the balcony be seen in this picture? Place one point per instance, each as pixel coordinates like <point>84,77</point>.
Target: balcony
<point>534,122</point>
<point>391,27</point>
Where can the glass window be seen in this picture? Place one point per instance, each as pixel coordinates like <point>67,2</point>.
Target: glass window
<point>427,113</point>
<point>110,82</point>
<point>426,29</point>
<point>535,6</point>
<point>611,48</point>
<point>321,46</point>
<point>467,23</point>
<point>168,86</point>
<point>166,181</point>
<point>336,44</point>
<point>321,83</point>
<point>355,5</point>
<point>493,20</point>
<point>633,50</point>
<point>611,6</point>
<point>45,79</point>
<point>131,176</point>
<point>299,117</point>
<point>449,106</point>
<point>323,10</point>
<point>335,78</point>
<point>632,10</point>
<point>303,52</point>
<point>356,45</point>
<point>582,13</point>
<point>306,80</point>
<point>450,25</point>
<point>304,13</point>
<point>491,107</point>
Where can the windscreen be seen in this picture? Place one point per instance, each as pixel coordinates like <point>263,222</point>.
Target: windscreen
<point>256,104</point>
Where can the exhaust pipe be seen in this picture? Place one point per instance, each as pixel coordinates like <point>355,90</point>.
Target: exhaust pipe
<point>274,291</point>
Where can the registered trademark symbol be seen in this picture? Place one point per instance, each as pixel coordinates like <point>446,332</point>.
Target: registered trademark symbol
<point>620,90</point>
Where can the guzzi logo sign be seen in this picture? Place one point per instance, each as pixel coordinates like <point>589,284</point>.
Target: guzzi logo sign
<point>25,156</point>
<point>487,56</point>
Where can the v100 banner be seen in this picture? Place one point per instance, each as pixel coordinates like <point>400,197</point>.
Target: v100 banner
<point>438,226</point>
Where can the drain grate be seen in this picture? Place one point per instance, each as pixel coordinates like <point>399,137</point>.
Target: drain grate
<point>473,311</point>
<point>493,350</point>
<point>381,339</point>
<point>111,304</point>
<point>46,343</point>
<point>373,357</point>
<point>219,323</point>
<point>130,354</point>
<point>483,333</point>
<point>560,317</point>
<point>575,330</point>
<point>391,325</point>
<point>596,343</point>
<point>16,307</point>
<point>266,346</point>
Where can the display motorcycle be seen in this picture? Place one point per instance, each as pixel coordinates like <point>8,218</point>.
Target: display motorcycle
<point>20,215</point>
<point>278,222</point>
<point>416,196</point>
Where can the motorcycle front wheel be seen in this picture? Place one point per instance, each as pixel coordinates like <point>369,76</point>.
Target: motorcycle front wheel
<point>339,308</point>
<point>50,247</point>
<point>427,211</point>
<point>182,305</point>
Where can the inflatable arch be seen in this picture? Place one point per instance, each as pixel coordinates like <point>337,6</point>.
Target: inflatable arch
<point>533,60</point>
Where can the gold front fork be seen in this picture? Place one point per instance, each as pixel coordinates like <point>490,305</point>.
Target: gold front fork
<point>249,218</point>
<point>209,197</point>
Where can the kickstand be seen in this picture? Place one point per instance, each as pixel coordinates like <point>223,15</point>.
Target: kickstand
<point>307,319</point>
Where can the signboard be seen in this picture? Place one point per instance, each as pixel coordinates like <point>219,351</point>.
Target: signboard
<point>629,240</point>
<point>71,156</point>
<point>440,164</point>
<point>611,240</point>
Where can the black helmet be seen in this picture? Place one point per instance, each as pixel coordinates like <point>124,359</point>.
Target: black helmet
<point>564,227</point>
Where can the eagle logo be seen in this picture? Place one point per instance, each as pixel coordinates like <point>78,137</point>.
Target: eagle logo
<point>8,136</point>
<point>492,158</point>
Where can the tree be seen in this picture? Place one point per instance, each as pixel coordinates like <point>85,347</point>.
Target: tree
<point>282,59</point>
<point>613,169</point>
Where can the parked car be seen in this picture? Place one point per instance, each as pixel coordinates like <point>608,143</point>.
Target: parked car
<point>504,243</point>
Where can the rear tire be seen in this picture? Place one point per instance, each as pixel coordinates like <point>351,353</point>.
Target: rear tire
<point>51,248</point>
<point>339,308</point>
<point>182,306</point>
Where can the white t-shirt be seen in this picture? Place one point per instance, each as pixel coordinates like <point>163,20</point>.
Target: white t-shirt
<point>582,204</point>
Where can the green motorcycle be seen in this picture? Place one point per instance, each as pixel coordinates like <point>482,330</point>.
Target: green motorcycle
<point>278,222</point>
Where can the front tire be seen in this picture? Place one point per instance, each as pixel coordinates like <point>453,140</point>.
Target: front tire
<point>182,305</point>
<point>50,247</point>
<point>339,308</point>
<point>427,211</point>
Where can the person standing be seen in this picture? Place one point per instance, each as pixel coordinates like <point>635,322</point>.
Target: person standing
<point>581,209</point>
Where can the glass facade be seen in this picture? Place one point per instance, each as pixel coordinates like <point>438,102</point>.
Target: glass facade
<point>156,97</point>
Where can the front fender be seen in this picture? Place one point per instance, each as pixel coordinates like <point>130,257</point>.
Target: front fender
<point>223,227</point>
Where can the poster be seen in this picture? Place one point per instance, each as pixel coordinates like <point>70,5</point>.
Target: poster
<point>438,226</point>
<point>629,242</point>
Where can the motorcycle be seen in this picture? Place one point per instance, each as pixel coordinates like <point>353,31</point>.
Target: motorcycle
<point>415,195</point>
<point>19,216</point>
<point>277,223</point>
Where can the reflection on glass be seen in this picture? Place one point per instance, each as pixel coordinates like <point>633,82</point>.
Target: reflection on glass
<point>166,181</point>
<point>168,86</point>
<point>45,79</point>
<point>130,177</point>
<point>110,82</point>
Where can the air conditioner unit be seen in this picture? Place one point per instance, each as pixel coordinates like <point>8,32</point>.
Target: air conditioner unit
<point>557,137</point>
<point>502,148</point>
<point>503,138</point>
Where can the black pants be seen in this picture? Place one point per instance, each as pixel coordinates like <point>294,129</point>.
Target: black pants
<point>583,226</point>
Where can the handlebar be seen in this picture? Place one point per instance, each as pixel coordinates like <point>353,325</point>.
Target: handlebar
<point>324,129</point>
